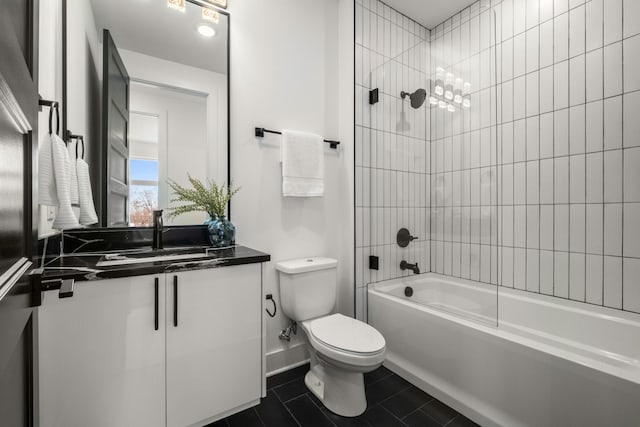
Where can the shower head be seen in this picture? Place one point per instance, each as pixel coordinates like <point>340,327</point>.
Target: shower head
<point>417,97</point>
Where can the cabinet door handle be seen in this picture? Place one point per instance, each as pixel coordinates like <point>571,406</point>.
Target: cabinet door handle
<point>155,303</point>
<point>175,301</point>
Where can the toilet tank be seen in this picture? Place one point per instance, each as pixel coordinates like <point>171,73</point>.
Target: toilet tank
<point>308,287</point>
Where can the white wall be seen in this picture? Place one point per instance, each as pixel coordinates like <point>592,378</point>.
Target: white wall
<point>292,68</point>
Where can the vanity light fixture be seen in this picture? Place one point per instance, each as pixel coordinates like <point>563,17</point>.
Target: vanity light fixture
<point>206,31</point>
<point>179,5</point>
<point>210,15</point>
<point>219,3</point>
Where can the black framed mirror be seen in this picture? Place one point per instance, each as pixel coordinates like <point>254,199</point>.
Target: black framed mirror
<point>162,114</point>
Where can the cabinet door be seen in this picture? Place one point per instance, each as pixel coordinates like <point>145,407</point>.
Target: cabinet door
<point>102,361</point>
<point>214,359</point>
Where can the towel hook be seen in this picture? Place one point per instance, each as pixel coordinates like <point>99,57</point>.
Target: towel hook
<point>269,297</point>
<point>52,105</point>
<point>80,139</point>
<point>68,136</point>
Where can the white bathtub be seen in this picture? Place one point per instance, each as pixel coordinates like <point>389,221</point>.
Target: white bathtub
<point>511,358</point>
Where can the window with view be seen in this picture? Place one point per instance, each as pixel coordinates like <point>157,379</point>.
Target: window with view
<point>143,191</point>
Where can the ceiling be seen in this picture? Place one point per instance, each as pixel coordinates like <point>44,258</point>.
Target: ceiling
<point>151,28</point>
<point>429,13</point>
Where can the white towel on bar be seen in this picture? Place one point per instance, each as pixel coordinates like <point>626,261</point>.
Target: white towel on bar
<point>302,156</point>
<point>73,178</point>
<point>46,181</point>
<point>65,218</point>
<point>87,209</point>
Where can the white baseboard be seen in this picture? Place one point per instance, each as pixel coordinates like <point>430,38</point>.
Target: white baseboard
<point>286,358</point>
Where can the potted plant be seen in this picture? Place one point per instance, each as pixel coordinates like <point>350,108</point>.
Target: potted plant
<point>212,200</point>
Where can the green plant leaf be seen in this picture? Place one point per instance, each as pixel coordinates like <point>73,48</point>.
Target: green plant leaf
<point>211,198</point>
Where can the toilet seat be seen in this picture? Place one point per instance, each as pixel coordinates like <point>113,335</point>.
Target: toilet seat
<point>346,340</point>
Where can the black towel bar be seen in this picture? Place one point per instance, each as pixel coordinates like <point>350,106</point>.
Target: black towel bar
<point>261,131</point>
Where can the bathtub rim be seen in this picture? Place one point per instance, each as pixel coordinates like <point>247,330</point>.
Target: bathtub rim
<point>629,373</point>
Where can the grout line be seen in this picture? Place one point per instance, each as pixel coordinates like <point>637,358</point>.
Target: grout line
<point>623,144</point>
<point>389,412</point>
<point>569,150</point>
<point>539,162</point>
<point>586,97</point>
<point>526,156</point>
<point>452,419</point>
<point>294,417</point>
<point>603,144</point>
<point>425,414</point>
<point>322,409</point>
<point>257,415</point>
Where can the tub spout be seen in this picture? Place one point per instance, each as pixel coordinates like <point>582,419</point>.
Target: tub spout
<point>404,265</point>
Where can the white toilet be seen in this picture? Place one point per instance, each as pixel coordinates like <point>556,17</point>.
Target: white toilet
<point>341,348</point>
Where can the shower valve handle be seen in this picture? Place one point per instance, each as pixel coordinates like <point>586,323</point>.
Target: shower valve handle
<point>404,237</point>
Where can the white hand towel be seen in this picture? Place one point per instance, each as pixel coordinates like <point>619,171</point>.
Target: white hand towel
<point>65,218</point>
<point>302,156</point>
<point>46,181</point>
<point>87,209</point>
<point>73,179</point>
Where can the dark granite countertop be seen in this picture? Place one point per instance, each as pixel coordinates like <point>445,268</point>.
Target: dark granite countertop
<point>91,265</point>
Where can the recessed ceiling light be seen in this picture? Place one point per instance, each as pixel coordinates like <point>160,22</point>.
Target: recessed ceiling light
<point>206,31</point>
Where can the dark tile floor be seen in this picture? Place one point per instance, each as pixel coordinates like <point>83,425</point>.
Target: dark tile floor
<point>392,402</point>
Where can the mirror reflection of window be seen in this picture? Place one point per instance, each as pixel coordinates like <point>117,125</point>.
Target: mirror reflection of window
<point>143,168</point>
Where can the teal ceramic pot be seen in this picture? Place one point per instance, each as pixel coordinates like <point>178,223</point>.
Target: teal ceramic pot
<point>221,232</point>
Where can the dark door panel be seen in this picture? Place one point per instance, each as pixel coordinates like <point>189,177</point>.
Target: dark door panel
<point>17,363</point>
<point>18,217</point>
<point>115,137</point>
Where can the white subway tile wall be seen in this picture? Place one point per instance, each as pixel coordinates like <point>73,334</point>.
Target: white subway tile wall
<point>568,173</point>
<point>464,185</point>
<point>392,145</point>
<point>537,185</point>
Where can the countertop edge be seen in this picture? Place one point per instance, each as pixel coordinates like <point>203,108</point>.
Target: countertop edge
<point>52,278</point>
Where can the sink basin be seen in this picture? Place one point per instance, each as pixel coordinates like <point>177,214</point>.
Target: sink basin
<point>122,259</point>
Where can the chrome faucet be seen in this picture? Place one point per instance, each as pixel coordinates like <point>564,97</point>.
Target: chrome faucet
<point>404,265</point>
<point>158,225</point>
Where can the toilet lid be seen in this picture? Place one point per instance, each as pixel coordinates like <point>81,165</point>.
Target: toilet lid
<point>347,334</point>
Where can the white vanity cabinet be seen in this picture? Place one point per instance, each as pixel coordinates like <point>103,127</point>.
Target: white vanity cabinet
<point>104,363</point>
<point>101,360</point>
<point>214,357</point>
